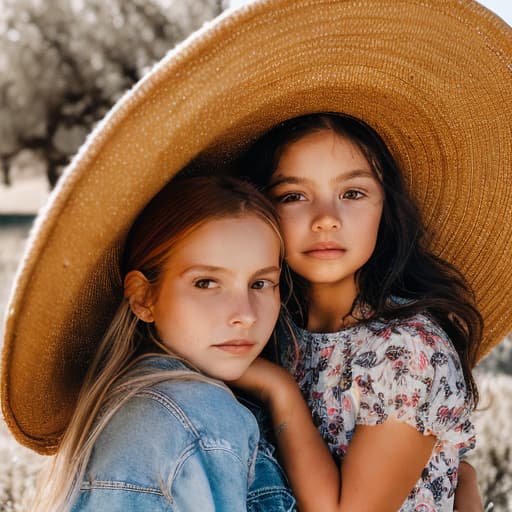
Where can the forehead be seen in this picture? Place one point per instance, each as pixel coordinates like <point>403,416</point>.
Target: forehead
<point>323,145</point>
<point>323,156</point>
<point>246,237</point>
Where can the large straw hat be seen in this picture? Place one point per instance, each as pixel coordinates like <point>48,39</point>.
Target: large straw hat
<point>434,77</point>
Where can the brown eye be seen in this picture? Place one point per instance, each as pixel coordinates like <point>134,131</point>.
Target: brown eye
<point>352,194</point>
<point>262,283</point>
<point>290,198</point>
<point>204,283</point>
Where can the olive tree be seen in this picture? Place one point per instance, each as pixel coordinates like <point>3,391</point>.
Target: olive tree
<point>63,64</point>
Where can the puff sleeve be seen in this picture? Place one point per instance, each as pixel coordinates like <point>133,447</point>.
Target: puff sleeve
<point>411,371</point>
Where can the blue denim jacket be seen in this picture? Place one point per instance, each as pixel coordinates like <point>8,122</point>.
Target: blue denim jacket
<point>182,446</point>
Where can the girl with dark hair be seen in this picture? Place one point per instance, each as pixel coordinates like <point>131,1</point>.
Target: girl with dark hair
<point>380,334</point>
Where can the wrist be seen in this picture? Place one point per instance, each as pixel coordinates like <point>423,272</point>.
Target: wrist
<point>284,400</point>
<point>274,385</point>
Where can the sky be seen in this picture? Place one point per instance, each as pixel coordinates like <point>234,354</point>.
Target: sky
<point>502,8</point>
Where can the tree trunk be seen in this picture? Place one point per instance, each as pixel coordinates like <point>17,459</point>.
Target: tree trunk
<point>5,163</point>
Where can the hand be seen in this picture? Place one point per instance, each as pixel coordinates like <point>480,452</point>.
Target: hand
<point>467,494</point>
<point>262,379</point>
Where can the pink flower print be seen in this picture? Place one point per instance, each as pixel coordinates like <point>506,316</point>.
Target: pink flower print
<point>335,371</point>
<point>364,384</point>
<point>444,414</point>
<point>401,400</point>
<point>326,352</point>
<point>423,361</point>
<point>424,507</point>
<point>331,411</point>
<point>429,339</point>
<point>331,377</point>
<point>457,412</point>
<point>398,364</point>
<point>386,334</point>
<point>443,411</point>
<point>346,403</point>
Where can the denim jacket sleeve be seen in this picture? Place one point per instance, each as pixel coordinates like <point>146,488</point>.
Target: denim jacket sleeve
<point>178,446</point>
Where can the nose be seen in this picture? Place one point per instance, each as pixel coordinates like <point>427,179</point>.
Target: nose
<point>326,219</point>
<point>243,311</point>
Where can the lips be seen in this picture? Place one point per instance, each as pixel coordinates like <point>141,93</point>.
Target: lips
<point>325,250</point>
<point>237,346</point>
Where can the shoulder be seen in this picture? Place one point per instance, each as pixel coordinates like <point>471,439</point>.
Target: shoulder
<point>198,404</point>
<point>155,454</point>
<point>416,338</point>
<point>409,368</point>
<point>409,353</point>
<point>178,437</point>
<point>204,408</point>
<point>172,421</point>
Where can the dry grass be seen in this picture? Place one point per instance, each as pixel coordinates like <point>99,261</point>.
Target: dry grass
<point>18,468</point>
<point>493,455</point>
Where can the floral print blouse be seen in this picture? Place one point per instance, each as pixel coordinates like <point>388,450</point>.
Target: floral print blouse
<point>407,368</point>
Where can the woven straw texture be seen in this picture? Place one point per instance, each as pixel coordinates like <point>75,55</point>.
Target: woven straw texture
<point>433,77</point>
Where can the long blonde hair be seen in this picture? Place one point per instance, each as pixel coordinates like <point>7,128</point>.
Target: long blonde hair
<point>177,210</point>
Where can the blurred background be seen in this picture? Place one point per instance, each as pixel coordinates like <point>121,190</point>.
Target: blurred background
<point>63,64</point>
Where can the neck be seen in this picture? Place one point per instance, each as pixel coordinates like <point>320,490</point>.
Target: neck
<point>329,304</point>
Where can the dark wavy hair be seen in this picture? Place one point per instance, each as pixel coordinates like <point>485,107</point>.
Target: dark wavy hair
<point>401,264</point>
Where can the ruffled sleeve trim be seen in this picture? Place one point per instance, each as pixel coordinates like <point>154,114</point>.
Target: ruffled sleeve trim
<point>410,370</point>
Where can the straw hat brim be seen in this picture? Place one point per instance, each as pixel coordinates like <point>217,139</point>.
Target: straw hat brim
<point>434,78</point>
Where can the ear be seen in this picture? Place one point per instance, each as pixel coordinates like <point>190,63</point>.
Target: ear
<point>137,289</point>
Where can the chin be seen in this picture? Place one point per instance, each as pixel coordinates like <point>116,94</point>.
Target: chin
<point>231,374</point>
<point>324,278</point>
<point>229,377</point>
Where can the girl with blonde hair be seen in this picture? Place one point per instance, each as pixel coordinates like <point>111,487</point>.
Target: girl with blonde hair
<point>154,427</point>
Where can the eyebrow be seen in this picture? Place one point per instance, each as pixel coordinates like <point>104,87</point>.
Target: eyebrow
<point>203,268</point>
<point>267,270</point>
<point>297,180</point>
<point>212,268</point>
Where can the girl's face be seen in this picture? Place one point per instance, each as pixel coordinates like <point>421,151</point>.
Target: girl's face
<point>218,298</point>
<point>330,204</point>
